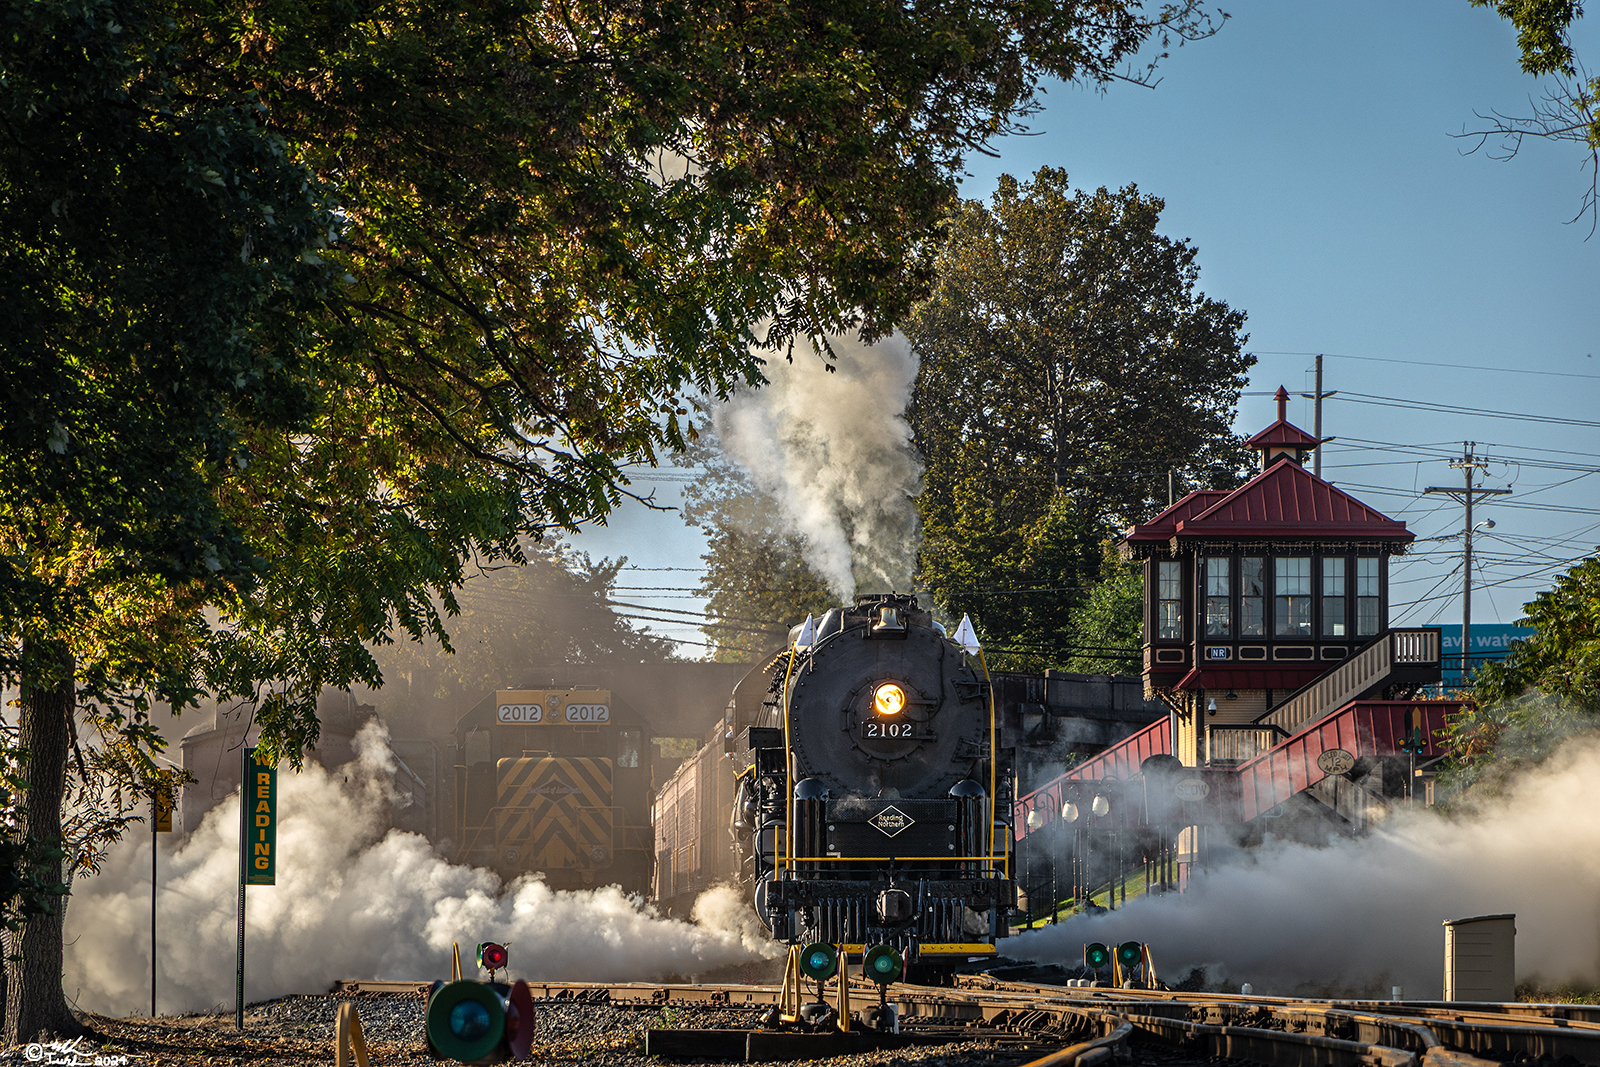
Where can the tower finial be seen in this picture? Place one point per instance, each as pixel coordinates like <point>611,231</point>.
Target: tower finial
<point>1283,404</point>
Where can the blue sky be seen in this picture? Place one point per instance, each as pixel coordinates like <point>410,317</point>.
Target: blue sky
<point>1306,150</point>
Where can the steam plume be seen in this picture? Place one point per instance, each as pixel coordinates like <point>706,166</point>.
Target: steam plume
<point>834,450</point>
<point>1365,914</point>
<point>354,901</point>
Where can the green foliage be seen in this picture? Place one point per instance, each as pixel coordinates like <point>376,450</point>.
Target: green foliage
<point>1543,27</point>
<point>1545,691</point>
<point>1113,369</point>
<point>30,882</point>
<point>1562,659</point>
<point>757,583</point>
<point>1107,628</point>
<point>1489,744</point>
<point>1018,576</point>
<point>556,609</point>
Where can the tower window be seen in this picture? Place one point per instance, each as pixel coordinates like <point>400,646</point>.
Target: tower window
<point>1252,597</point>
<point>1291,607</point>
<point>1368,612</point>
<point>1219,597</point>
<point>1169,600</point>
<point>1333,621</point>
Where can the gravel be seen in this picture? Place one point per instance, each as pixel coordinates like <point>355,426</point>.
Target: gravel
<point>299,1030</point>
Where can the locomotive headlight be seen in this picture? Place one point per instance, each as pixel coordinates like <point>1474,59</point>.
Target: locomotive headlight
<point>889,699</point>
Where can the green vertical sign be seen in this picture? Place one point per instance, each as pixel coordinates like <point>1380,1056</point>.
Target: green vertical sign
<point>261,820</point>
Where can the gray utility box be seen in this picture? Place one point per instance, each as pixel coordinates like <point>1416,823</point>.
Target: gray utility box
<point>1480,959</point>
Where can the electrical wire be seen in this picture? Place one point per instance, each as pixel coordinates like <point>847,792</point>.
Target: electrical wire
<point>1425,363</point>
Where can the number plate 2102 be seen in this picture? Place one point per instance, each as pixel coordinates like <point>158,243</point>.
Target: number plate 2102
<point>879,730</point>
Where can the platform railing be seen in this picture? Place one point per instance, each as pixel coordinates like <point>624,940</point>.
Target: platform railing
<point>1231,743</point>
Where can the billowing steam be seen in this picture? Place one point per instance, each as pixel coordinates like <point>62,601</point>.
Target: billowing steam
<point>834,450</point>
<point>1363,915</point>
<point>354,901</point>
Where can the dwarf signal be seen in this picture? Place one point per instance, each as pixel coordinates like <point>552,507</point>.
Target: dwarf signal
<point>492,957</point>
<point>479,1022</point>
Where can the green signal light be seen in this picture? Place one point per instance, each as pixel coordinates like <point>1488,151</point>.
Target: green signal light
<point>1096,955</point>
<point>1130,953</point>
<point>819,962</point>
<point>883,964</point>
<point>469,1020</point>
<point>465,1020</point>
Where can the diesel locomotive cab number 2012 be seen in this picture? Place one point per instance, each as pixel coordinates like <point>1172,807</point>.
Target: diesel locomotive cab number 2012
<point>888,729</point>
<point>519,714</point>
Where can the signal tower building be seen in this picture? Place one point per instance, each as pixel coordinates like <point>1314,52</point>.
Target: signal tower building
<point>1294,709</point>
<point>1253,595</point>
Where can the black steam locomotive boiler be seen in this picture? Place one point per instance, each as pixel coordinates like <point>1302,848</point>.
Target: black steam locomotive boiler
<point>864,805</point>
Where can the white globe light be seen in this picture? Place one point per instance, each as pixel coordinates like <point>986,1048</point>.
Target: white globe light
<point>1100,806</point>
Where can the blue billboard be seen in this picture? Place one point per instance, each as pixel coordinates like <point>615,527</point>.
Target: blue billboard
<point>1490,641</point>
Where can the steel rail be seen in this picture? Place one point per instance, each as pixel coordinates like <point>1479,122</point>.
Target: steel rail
<point>1282,1031</point>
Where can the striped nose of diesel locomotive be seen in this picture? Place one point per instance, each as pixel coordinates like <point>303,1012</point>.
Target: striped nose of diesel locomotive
<point>555,812</point>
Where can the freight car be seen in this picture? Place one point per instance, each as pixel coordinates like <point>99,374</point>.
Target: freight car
<point>852,793</point>
<point>554,781</point>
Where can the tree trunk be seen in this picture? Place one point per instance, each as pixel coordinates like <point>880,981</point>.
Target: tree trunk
<point>35,1005</point>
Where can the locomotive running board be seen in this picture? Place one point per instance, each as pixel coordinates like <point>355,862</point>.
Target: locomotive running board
<point>938,949</point>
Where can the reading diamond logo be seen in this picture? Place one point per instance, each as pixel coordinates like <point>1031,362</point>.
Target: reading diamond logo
<point>891,820</point>
<point>553,789</point>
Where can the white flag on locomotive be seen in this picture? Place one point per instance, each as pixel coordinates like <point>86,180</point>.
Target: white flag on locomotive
<point>966,636</point>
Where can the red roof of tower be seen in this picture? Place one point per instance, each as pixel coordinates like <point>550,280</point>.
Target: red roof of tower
<point>1165,524</point>
<point>1290,500</point>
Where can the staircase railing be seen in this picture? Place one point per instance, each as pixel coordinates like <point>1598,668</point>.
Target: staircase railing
<point>1362,675</point>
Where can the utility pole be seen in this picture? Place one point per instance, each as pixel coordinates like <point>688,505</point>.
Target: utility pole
<point>1317,396</point>
<point>1467,463</point>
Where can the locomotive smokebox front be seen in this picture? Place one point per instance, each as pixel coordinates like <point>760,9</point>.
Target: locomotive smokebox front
<point>886,711</point>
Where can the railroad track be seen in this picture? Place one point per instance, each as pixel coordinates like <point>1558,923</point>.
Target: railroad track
<point>1090,1026</point>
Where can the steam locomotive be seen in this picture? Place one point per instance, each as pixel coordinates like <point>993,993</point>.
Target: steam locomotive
<point>864,768</point>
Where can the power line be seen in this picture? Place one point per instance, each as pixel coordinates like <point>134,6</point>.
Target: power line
<point>1454,409</point>
<point>1425,363</point>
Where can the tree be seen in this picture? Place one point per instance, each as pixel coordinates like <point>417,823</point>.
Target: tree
<point>1562,658</point>
<point>557,608</point>
<point>310,304</point>
<point>1105,631</point>
<point>1068,364</point>
<point>154,259</point>
<point>757,583</point>
<point>1567,111</point>
<point>1546,691</point>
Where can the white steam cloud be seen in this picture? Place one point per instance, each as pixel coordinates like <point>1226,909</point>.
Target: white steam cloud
<point>1365,914</point>
<point>834,450</point>
<point>355,901</point>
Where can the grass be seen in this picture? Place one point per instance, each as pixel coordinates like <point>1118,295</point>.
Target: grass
<point>1136,887</point>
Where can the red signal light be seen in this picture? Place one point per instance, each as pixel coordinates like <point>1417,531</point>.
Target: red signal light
<point>492,956</point>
